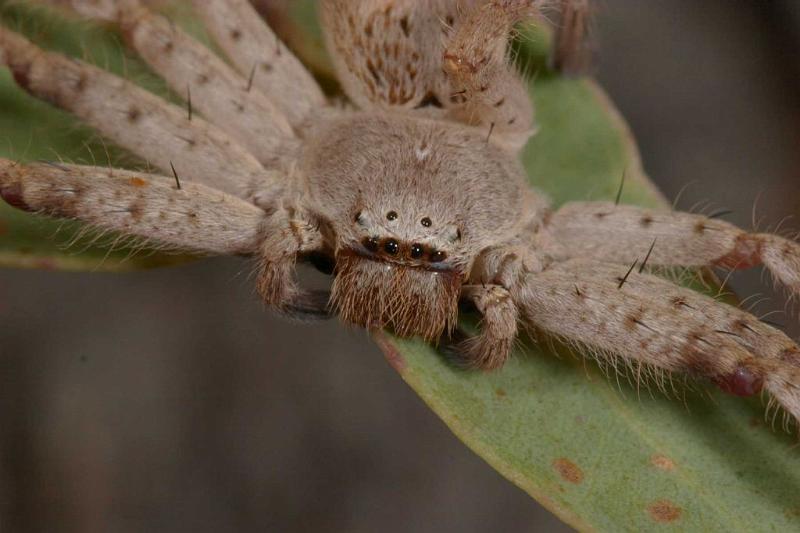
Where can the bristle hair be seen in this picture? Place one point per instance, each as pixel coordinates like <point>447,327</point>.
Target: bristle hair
<point>409,301</point>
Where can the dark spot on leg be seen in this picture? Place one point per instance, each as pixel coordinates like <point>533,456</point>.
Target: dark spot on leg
<point>700,227</point>
<point>134,114</point>
<point>791,355</point>
<point>266,67</point>
<point>646,221</point>
<point>680,301</point>
<point>500,102</point>
<point>12,194</point>
<point>136,210</point>
<point>374,73</point>
<point>634,319</point>
<point>202,79</point>
<point>405,27</point>
<point>22,74</point>
<point>429,100</point>
<point>169,46</point>
<point>189,141</point>
<point>236,34</point>
<point>513,120</point>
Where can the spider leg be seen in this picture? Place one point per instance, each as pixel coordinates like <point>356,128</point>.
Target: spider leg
<point>494,277</point>
<point>571,51</point>
<point>290,233</point>
<point>622,234</point>
<point>193,217</point>
<point>388,53</point>
<point>489,90</point>
<point>491,348</point>
<point>136,119</point>
<point>214,89</point>
<point>259,55</point>
<point>648,321</point>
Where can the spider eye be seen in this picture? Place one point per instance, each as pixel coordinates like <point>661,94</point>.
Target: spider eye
<point>416,251</point>
<point>438,256</point>
<point>391,215</point>
<point>426,222</point>
<point>371,244</point>
<point>391,246</point>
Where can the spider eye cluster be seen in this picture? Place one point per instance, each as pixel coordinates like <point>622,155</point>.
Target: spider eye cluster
<point>391,247</point>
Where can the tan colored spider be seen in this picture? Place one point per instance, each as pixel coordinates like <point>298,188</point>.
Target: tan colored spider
<point>405,194</point>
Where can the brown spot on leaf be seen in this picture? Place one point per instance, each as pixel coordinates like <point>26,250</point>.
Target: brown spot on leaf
<point>391,353</point>
<point>500,392</point>
<point>46,264</point>
<point>664,511</point>
<point>662,462</point>
<point>568,470</point>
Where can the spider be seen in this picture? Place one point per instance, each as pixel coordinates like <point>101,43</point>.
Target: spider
<point>413,195</point>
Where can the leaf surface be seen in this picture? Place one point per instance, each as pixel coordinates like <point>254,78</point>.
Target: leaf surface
<point>597,452</point>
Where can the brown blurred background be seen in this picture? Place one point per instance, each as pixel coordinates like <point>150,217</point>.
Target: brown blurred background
<point>170,400</point>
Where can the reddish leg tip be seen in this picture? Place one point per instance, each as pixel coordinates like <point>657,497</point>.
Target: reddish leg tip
<point>740,382</point>
<point>12,194</point>
<point>746,254</point>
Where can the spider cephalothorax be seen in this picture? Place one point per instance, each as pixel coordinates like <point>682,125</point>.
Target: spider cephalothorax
<point>416,198</point>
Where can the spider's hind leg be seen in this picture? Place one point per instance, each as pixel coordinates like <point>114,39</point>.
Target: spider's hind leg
<point>646,320</point>
<point>206,82</point>
<point>134,118</point>
<point>261,57</point>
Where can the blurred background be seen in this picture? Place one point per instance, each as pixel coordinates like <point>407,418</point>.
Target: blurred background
<point>170,400</point>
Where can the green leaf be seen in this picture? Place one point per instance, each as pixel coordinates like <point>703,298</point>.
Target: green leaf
<point>596,452</point>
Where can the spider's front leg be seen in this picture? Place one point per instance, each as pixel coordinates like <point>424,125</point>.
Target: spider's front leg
<point>485,85</point>
<point>290,232</point>
<point>622,234</point>
<point>151,208</point>
<point>496,273</point>
<point>498,328</point>
<point>649,323</point>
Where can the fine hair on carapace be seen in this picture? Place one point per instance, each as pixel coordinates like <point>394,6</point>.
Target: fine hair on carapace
<point>408,300</point>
